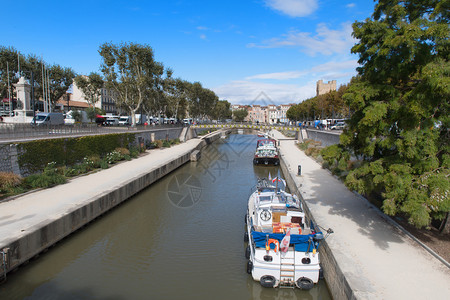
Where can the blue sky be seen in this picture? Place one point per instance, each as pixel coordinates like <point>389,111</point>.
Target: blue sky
<point>269,50</point>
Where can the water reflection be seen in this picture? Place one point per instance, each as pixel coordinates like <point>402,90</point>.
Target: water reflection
<point>149,248</point>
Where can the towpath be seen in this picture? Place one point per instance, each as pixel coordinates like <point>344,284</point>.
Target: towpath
<point>378,260</point>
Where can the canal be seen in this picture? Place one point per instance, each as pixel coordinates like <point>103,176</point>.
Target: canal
<point>181,238</point>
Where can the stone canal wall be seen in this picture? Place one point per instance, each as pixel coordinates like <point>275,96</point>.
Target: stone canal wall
<point>41,236</point>
<point>327,138</point>
<point>334,277</point>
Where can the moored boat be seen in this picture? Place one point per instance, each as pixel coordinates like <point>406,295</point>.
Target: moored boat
<point>266,152</point>
<point>283,248</point>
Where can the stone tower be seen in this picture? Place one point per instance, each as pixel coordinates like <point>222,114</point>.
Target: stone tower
<point>323,88</point>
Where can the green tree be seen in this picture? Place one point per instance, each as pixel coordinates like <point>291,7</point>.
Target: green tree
<point>399,101</point>
<point>60,77</point>
<point>222,110</point>
<point>240,114</point>
<point>90,86</point>
<point>201,101</point>
<point>130,70</point>
<point>176,96</point>
<point>60,80</point>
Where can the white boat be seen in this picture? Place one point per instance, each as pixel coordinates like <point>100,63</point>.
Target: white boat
<point>273,217</point>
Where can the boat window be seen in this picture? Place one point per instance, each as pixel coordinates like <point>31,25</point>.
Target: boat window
<point>264,198</point>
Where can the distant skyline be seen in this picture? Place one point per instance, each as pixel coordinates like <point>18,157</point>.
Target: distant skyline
<point>256,51</point>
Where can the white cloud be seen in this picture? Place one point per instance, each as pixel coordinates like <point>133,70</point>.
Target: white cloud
<point>247,91</point>
<point>202,28</point>
<point>335,66</point>
<point>203,36</point>
<point>278,75</point>
<point>326,41</point>
<point>293,8</point>
<point>350,5</point>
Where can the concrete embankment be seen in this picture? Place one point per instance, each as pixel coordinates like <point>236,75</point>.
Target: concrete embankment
<point>31,223</point>
<point>367,256</point>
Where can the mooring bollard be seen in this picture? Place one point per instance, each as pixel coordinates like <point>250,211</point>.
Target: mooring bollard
<point>299,170</point>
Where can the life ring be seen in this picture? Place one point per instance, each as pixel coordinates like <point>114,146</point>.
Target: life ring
<point>275,242</point>
<point>268,281</point>
<point>304,283</point>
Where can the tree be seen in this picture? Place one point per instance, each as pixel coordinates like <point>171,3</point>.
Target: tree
<point>399,101</point>
<point>60,78</point>
<point>329,105</point>
<point>90,86</point>
<point>222,110</point>
<point>176,96</point>
<point>8,60</point>
<point>130,70</point>
<point>201,101</point>
<point>240,114</point>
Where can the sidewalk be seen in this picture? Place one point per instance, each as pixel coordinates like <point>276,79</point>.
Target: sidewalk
<point>378,260</point>
<point>29,212</point>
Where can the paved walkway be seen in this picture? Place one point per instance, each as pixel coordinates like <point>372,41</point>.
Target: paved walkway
<point>34,210</point>
<point>378,260</point>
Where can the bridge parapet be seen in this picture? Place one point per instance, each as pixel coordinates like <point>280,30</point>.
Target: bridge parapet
<point>247,126</point>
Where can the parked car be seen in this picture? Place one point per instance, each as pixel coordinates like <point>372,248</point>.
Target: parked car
<point>338,126</point>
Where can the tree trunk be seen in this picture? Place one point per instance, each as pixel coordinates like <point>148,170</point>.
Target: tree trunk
<point>445,225</point>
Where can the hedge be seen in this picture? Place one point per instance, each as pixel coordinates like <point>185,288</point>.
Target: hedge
<point>34,156</point>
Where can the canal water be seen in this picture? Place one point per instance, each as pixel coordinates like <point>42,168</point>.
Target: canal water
<point>181,238</point>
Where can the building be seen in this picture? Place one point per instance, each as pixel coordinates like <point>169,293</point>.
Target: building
<point>270,114</point>
<point>75,99</point>
<point>323,88</point>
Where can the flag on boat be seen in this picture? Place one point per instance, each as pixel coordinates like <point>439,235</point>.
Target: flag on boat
<point>279,180</point>
<point>284,245</point>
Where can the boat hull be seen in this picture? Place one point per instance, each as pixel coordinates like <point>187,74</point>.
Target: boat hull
<point>266,161</point>
<point>286,268</point>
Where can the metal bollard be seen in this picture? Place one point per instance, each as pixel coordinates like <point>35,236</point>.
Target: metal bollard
<point>299,170</point>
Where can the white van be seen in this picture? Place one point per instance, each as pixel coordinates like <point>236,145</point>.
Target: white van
<point>125,120</point>
<point>48,119</point>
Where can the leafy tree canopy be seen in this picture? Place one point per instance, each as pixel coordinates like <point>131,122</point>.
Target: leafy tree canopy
<point>239,115</point>
<point>90,86</point>
<point>59,78</point>
<point>329,105</point>
<point>131,72</point>
<point>400,99</point>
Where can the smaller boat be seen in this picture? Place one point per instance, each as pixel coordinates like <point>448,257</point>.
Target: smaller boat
<point>266,152</point>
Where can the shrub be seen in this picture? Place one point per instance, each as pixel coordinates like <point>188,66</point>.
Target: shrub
<point>104,164</point>
<point>166,144</point>
<point>158,143</point>
<point>123,151</point>
<point>9,181</point>
<point>113,157</point>
<point>93,161</point>
<point>44,180</point>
